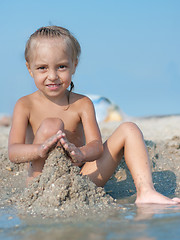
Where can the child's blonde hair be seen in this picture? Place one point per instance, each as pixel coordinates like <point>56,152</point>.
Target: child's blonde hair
<point>52,32</point>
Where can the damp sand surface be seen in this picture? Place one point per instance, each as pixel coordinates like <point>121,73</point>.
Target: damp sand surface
<point>83,211</point>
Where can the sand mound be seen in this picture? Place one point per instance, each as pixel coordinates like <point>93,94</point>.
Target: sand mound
<point>61,191</point>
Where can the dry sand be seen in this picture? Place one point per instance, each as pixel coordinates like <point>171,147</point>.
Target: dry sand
<point>60,190</point>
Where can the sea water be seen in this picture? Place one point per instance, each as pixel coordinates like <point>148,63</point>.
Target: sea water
<point>145,222</point>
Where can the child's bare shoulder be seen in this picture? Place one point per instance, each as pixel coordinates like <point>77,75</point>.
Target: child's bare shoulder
<point>25,102</point>
<point>81,100</point>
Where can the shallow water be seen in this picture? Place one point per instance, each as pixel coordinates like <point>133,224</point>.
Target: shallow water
<point>146,222</point>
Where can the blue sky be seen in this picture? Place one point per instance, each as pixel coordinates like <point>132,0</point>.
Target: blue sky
<point>130,50</point>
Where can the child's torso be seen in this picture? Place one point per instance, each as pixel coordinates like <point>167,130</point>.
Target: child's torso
<point>73,127</point>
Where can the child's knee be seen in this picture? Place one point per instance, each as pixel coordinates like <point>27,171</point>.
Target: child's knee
<point>50,126</point>
<point>129,128</point>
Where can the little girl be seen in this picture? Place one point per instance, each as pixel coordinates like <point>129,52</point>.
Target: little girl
<point>55,115</point>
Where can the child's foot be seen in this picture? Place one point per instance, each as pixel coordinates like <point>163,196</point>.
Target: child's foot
<point>151,196</point>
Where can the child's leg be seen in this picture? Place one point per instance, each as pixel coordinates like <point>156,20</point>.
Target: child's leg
<point>127,140</point>
<point>48,128</point>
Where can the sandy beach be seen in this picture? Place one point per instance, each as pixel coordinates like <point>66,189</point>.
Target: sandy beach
<point>162,136</point>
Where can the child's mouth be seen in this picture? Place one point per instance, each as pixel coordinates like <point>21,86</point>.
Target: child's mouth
<point>53,86</point>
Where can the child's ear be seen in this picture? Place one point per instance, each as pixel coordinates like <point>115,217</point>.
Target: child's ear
<point>29,69</point>
<point>75,65</point>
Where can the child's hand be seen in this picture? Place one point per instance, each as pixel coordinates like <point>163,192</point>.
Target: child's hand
<point>74,152</point>
<point>49,144</point>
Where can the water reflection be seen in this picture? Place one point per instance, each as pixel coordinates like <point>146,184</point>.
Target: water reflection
<point>142,222</point>
<point>149,211</point>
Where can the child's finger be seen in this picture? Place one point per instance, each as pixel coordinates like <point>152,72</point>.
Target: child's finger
<point>66,144</point>
<point>68,147</point>
<point>73,153</point>
<point>60,134</point>
<point>62,141</point>
<point>50,143</point>
<point>73,159</point>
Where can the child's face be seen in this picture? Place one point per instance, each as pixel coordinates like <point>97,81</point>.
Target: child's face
<point>51,66</point>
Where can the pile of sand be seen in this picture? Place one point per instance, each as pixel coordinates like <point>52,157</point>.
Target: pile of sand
<point>61,191</point>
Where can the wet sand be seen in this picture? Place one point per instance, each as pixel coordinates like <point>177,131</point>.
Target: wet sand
<point>61,191</point>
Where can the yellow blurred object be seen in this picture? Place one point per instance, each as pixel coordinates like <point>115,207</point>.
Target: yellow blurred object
<point>113,115</point>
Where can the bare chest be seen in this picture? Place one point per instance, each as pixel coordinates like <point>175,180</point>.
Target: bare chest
<point>72,121</point>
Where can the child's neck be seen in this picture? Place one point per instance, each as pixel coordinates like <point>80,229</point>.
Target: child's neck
<point>59,100</point>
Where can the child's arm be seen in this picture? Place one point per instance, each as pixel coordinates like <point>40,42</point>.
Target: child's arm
<point>17,149</point>
<point>93,148</point>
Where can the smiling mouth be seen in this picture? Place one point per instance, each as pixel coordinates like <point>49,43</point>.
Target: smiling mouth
<point>53,86</point>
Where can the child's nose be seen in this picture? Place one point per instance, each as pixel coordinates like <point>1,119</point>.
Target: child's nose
<point>52,75</point>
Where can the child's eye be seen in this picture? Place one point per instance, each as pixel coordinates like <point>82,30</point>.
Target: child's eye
<point>62,67</point>
<point>41,68</point>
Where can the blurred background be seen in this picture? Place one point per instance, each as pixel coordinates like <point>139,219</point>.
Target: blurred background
<point>130,50</point>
